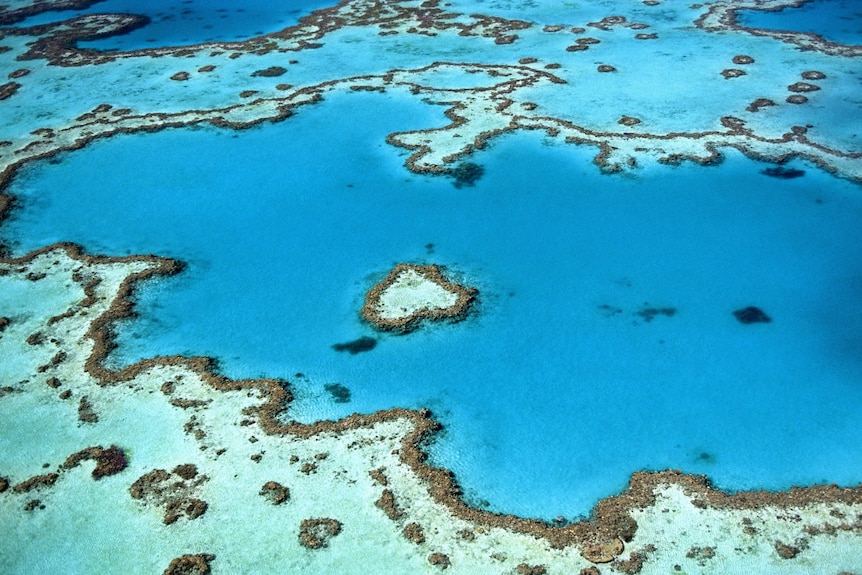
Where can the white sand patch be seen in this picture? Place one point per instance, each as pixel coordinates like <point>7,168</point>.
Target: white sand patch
<point>412,292</point>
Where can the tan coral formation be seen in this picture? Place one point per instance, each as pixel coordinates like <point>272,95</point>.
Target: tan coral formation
<point>411,294</point>
<point>197,564</point>
<point>157,488</point>
<point>315,533</point>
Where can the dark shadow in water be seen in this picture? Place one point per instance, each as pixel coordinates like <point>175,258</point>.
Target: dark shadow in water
<point>751,314</point>
<point>340,394</point>
<point>364,343</point>
<point>467,173</point>
<point>783,173</point>
<point>649,313</point>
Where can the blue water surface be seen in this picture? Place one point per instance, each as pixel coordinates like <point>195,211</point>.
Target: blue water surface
<point>835,20</point>
<point>603,341</point>
<point>183,22</point>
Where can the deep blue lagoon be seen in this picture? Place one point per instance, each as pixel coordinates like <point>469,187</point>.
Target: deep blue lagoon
<point>835,20</point>
<point>183,22</point>
<point>603,342</point>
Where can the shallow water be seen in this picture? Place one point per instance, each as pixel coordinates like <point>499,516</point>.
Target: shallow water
<point>835,20</point>
<point>563,382</point>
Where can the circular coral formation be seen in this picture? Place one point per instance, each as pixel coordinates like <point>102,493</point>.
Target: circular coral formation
<point>315,533</point>
<point>732,73</point>
<point>803,87</point>
<point>786,551</point>
<point>813,75</point>
<point>528,60</point>
<point>552,66</point>
<point>271,72</point>
<point>180,76</point>
<point>759,103</point>
<point>743,59</point>
<point>577,48</point>
<point>247,93</point>
<point>275,492</point>
<point>440,560</point>
<point>628,121</point>
<point>198,564</point>
<point>650,36</point>
<point>606,68</point>
<point>414,533</point>
<point>186,470</point>
<point>207,68</point>
<point>553,28</point>
<point>191,508</point>
<point>19,73</point>
<point>796,99</point>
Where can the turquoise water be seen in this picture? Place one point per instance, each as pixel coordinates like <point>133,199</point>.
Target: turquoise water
<point>559,386</point>
<point>185,22</point>
<point>836,20</point>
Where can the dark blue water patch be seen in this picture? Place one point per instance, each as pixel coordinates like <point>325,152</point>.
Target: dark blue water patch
<point>604,339</point>
<point>835,20</point>
<point>355,346</point>
<point>783,173</point>
<point>185,22</point>
<point>340,393</point>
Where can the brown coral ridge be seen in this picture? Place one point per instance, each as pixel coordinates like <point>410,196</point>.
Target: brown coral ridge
<point>109,461</point>
<point>455,312</point>
<point>198,564</point>
<point>315,533</point>
<point>8,89</point>
<point>441,560</point>
<point>58,41</point>
<point>610,519</point>
<point>36,482</point>
<point>390,507</point>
